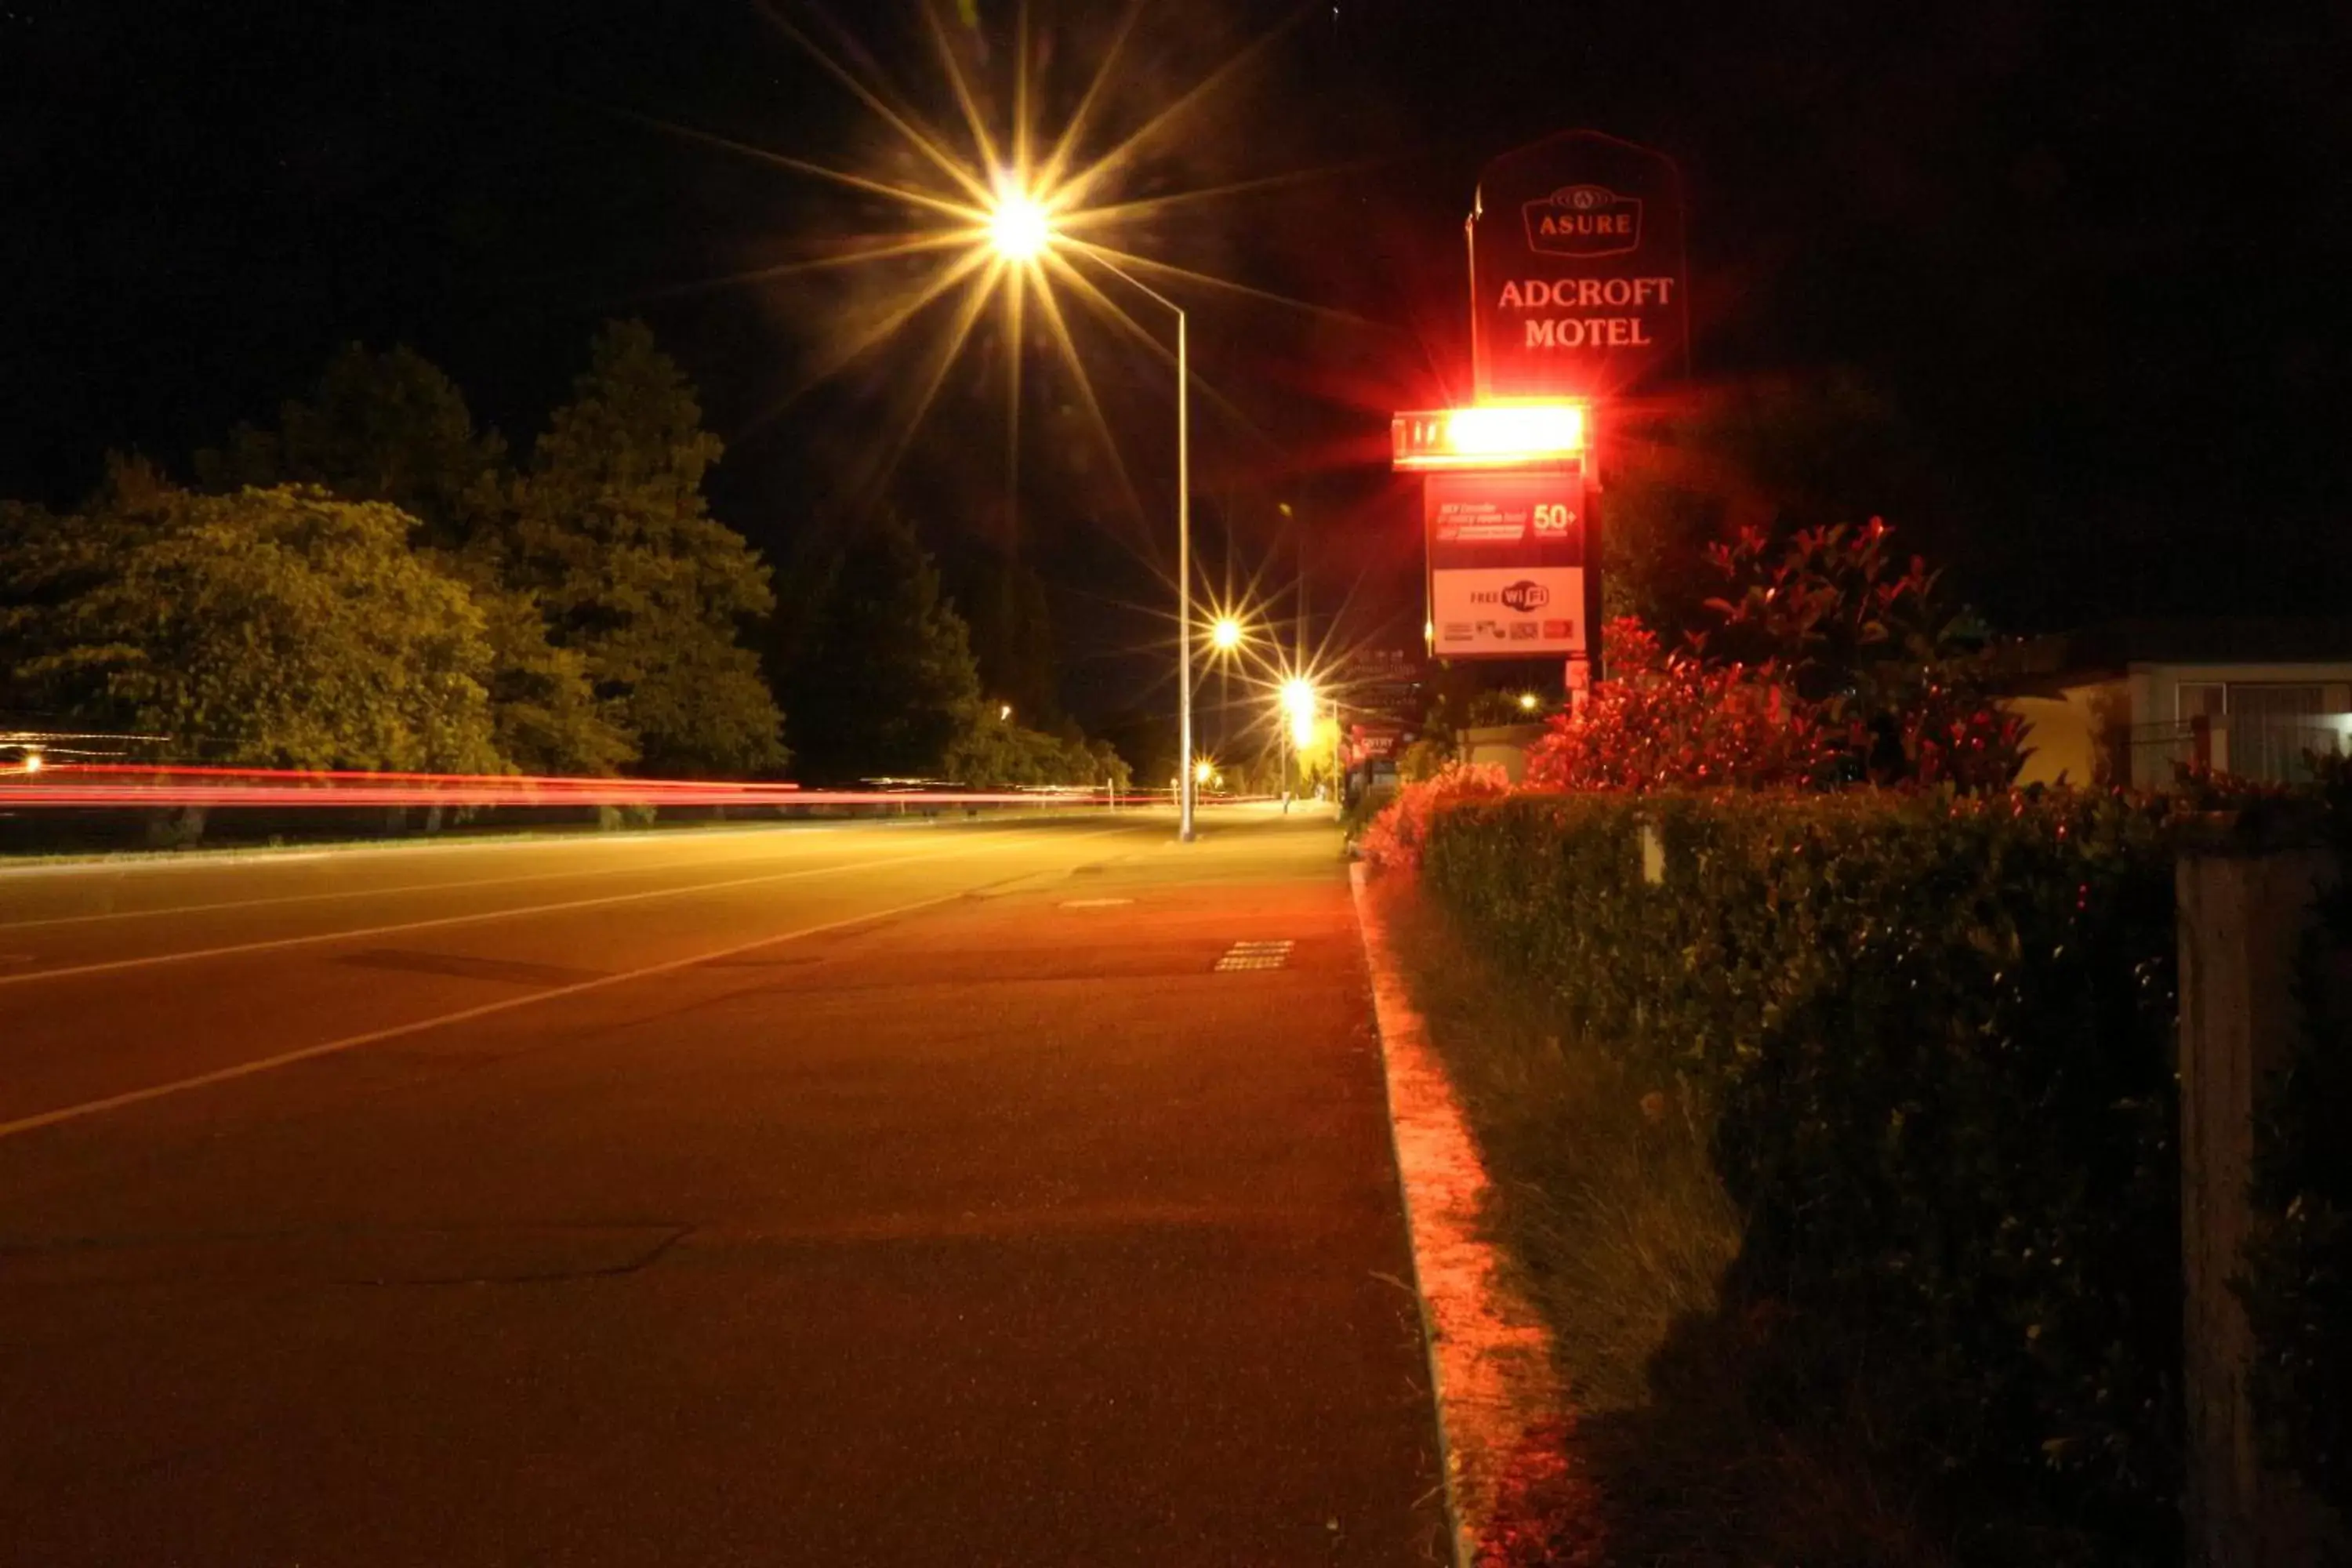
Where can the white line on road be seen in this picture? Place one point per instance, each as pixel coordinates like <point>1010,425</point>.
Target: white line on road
<point>262,858</point>
<point>374,1036</point>
<point>161,910</point>
<point>111,965</point>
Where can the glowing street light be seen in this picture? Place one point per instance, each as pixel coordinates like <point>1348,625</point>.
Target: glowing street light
<point>1005,224</point>
<point>1299,706</point>
<point>1019,230</point>
<point>1529,702</point>
<point>1226,634</point>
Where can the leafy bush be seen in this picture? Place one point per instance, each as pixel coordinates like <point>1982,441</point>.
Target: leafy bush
<point>1393,840</point>
<point>1931,1041</point>
<point>1667,721</point>
<point>1827,666</point>
<point>2297,1262</point>
<point>1873,651</point>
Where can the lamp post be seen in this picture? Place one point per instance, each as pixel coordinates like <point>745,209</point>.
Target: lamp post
<point>1021,230</point>
<point>1184,545</point>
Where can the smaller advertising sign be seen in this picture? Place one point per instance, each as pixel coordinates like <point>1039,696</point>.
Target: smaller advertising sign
<point>1511,612</point>
<point>1506,567</point>
<point>1373,741</point>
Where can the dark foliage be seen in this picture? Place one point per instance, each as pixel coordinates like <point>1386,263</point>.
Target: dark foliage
<point>1932,1040</point>
<point>880,680</point>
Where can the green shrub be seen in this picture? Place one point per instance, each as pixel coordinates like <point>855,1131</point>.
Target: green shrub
<point>1932,1043</point>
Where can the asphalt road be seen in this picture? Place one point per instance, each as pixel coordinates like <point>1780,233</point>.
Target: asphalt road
<point>877,1194</point>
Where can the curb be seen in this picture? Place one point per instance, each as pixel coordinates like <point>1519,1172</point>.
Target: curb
<point>1498,1394</point>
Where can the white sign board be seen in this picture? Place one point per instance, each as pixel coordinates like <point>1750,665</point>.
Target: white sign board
<point>1509,611</point>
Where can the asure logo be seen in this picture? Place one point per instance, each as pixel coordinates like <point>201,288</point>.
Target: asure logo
<point>1524,595</point>
<point>1584,220</point>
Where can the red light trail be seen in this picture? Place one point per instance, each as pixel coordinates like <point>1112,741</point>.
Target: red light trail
<point>131,785</point>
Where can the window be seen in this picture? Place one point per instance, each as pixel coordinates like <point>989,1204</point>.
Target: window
<point>2271,727</point>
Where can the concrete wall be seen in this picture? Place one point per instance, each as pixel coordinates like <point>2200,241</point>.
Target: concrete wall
<point>1505,743</point>
<point>2078,737</point>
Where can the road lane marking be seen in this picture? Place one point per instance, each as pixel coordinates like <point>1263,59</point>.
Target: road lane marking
<point>166,910</point>
<point>258,856</point>
<point>465,1014</point>
<point>1254,955</point>
<point>271,944</point>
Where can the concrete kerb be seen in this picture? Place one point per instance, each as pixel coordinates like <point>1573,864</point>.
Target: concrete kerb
<point>1492,1370</point>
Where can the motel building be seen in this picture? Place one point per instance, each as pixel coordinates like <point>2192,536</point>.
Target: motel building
<point>2129,702</point>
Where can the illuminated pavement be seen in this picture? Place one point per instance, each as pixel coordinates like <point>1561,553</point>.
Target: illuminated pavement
<point>886,1194</point>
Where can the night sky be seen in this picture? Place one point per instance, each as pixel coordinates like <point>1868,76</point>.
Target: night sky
<point>2096,256</point>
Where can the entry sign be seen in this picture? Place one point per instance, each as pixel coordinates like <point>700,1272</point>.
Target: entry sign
<point>1507,569</point>
<point>1576,270</point>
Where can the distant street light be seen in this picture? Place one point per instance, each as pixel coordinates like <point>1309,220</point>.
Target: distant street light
<point>1004,711</point>
<point>1298,705</point>
<point>1296,697</point>
<point>1227,634</point>
<point>1529,702</point>
<point>1020,230</point>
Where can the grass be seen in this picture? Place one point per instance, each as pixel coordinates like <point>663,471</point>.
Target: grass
<point>1694,1450</point>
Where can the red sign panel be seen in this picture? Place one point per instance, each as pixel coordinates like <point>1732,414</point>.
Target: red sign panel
<point>1576,270</point>
<point>1506,568</point>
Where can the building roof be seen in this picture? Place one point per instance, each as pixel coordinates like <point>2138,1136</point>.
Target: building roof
<point>2114,646</point>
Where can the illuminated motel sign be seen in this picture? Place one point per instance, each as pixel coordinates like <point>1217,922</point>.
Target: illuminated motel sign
<point>1577,271</point>
<point>1579,297</point>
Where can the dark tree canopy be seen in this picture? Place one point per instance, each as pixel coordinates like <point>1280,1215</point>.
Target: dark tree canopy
<point>608,530</point>
<point>881,681</point>
<point>380,426</point>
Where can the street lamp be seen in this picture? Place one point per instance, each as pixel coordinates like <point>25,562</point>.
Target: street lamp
<point>1020,230</point>
<point>1299,733</point>
<point>1226,634</point>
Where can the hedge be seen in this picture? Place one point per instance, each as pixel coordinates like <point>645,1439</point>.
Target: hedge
<point>1933,1040</point>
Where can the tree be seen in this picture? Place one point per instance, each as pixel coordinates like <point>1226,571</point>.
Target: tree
<point>392,428</point>
<point>1775,455</point>
<point>993,752</point>
<point>277,627</point>
<point>609,532</point>
<point>389,426</point>
<point>544,716</point>
<point>881,680</point>
<point>1004,602</point>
